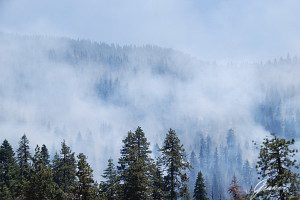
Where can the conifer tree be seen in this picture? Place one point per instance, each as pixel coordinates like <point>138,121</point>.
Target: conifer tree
<point>193,171</point>
<point>24,156</point>
<point>9,171</point>
<point>110,184</point>
<point>45,155</point>
<point>199,190</point>
<point>217,179</point>
<point>23,160</point>
<point>175,163</point>
<point>235,190</point>
<point>184,192</point>
<point>247,173</point>
<point>85,188</point>
<point>41,184</point>
<point>276,164</point>
<point>64,170</point>
<point>158,192</point>
<point>135,166</point>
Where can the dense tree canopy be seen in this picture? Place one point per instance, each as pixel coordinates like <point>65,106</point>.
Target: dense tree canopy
<point>138,176</point>
<point>276,164</point>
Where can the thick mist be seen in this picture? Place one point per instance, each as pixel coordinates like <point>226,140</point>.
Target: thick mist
<point>91,94</point>
<point>201,67</point>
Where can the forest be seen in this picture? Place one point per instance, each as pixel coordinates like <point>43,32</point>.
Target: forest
<point>137,175</point>
<point>89,94</point>
<point>149,100</point>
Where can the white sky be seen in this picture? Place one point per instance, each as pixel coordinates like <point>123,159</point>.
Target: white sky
<point>208,29</point>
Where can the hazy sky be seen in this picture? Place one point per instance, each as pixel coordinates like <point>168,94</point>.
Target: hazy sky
<point>38,99</point>
<point>208,29</point>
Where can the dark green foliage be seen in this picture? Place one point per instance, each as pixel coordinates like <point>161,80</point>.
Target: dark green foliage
<point>64,170</point>
<point>45,155</point>
<point>110,185</point>
<point>23,155</point>
<point>184,192</point>
<point>200,190</point>
<point>6,194</point>
<point>86,189</point>
<point>158,192</point>
<point>175,163</point>
<point>23,159</point>
<point>9,171</point>
<point>276,164</point>
<point>41,184</point>
<point>135,166</point>
<point>137,176</point>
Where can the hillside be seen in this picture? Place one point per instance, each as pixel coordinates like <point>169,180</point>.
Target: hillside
<point>92,93</point>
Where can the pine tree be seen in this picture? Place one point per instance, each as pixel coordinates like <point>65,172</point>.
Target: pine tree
<point>9,171</point>
<point>199,190</point>
<point>205,153</point>
<point>193,171</point>
<point>110,184</point>
<point>175,163</point>
<point>45,155</point>
<point>248,174</point>
<point>184,192</point>
<point>158,192</point>
<point>85,188</point>
<point>235,190</point>
<point>276,164</point>
<point>64,170</point>
<point>41,184</point>
<point>135,166</point>
<point>23,159</point>
<point>217,178</point>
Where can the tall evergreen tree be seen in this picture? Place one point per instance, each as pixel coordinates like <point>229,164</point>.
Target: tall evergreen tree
<point>193,171</point>
<point>110,184</point>
<point>158,192</point>
<point>45,155</point>
<point>175,163</point>
<point>135,166</point>
<point>64,170</point>
<point>205,153</point>
<point>24,156</point>
<point>184,191</point>
<point>235,190</point>
<point>276,164</point>
<point>41,184</point>
<point>8,171</point>
<point>199,190</point>
<point>85,188</point>
<point>249,175</point>
<point>23,159</point>
<point>217,179</point>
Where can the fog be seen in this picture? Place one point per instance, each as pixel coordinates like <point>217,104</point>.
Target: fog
<point>209,29</point>
<point>217,83</point>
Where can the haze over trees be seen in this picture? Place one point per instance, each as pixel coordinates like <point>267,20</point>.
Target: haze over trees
<point>137,175</point>
<point>115,86</point>
<point>222,74</point>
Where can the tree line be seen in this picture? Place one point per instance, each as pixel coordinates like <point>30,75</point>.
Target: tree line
<point>136,175</point>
